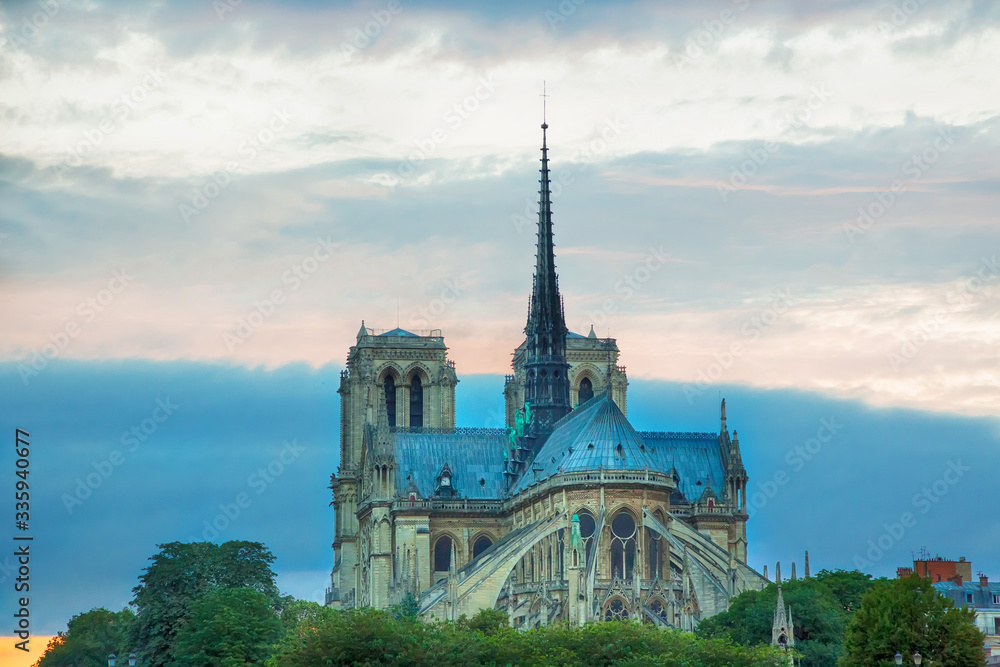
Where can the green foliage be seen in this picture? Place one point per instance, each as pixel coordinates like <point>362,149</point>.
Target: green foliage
<point>228,627</point>
<point>89,638</point>
<point>408,608</point>
<point>848,586</point>
<point>180,575</point>
<point>908,615</point>
<point>820,610</point>
<point>370,637</point>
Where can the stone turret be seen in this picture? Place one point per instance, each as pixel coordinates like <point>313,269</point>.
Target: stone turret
<point>782,629</point>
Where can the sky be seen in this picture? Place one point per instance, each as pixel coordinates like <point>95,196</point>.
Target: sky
<point>789,204</point>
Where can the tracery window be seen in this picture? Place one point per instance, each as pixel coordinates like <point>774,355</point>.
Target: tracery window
<point>586,389</point>
<point>653,553</point>
<point>660,609</point>
<point>416,402</point>
<point>623,538</point>
<point>616,611</point>
<point>587,526</point>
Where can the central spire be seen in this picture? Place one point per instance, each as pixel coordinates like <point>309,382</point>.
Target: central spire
<point>546,381</point>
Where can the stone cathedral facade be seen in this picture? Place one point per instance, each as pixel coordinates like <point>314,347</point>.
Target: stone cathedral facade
<point>567,514</point>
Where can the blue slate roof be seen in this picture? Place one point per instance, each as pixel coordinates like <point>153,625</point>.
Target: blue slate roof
<point>473,454</point>
<point>398,332</point>
<point>694,455</point>
<point>597,435</point>
<point>594,435</point>
<point>982,598</point>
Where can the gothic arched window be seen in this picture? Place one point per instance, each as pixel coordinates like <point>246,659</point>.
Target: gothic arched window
<point>616,611</point>
<point>622,545</point>
<point>586,390</point>
<point>416,402</point>
<point>587,526</point>
<point>442,554</point>
<point>482,544</point>
<point>390,398</point>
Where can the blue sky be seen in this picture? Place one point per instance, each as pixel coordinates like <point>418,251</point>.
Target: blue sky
<point>229,423</point>
<point>790,204</point>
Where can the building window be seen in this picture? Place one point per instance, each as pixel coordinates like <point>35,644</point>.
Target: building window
<point>622,546</point>
<point>616,611</point>
<point>653,551</point>
<point>996,600</point>
<point>416,403</point>
<point>587,526</point>
<point>390,399</point>
<point>482,544</point>
<point>968,598</point>
<point>442,554</point>
<point>586,390</point>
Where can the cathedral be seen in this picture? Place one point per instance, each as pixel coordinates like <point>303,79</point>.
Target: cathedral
<point>568,514</point>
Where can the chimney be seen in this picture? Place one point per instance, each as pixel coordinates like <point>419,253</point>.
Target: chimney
<point>957,579</point>
<point>765,574</point>
<point>793,570</point>
<point>807,564</point>
<point>984,581</point>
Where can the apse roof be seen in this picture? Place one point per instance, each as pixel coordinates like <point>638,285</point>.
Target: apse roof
<point>598,435</point>
<point>595,435</point>
<point>475,456</point>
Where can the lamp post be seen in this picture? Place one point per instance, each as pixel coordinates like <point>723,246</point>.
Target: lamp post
<point>112,659</point>
<point>917,659</point>
<point>899,658</point>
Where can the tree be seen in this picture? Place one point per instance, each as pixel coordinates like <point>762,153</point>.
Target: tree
<point>849,587</point>
<point>180,575</point>
<point>820,609</point>
<point>89,638</point>
<point>908,615</point>
<point>372,637</point>
<point>228,627</point>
